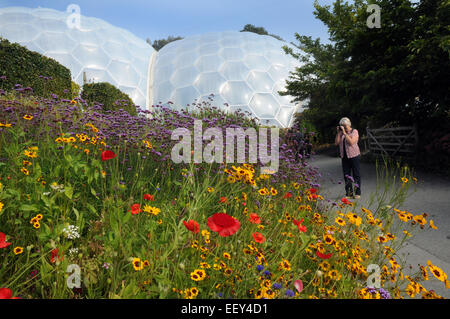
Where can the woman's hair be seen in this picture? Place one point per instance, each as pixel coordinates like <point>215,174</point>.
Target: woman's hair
<point>345,121</point>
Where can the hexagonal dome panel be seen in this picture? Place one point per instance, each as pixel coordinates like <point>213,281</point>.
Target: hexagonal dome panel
<point>241,69</point>
<point>104,52</point>
<point>264,105</point>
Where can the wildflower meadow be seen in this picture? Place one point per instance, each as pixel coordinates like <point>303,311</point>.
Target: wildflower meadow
<point>92,206</point>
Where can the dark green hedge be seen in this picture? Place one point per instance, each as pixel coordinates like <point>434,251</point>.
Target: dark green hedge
<point>108,95</point>
<point>22,66</point>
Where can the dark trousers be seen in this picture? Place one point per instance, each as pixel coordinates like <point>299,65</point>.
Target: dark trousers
<point>351,169</point>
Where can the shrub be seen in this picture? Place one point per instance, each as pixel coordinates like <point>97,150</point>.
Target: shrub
<point>109,96</point>
<point>18,65</point>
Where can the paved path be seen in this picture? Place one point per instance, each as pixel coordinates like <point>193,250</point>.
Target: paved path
<point>431,196</point>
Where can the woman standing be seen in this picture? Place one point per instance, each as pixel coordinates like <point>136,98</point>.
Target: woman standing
<point>347,139</point>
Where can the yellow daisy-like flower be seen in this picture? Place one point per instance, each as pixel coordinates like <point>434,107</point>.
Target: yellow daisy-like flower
<point>437,272</point>
<point>404,180</point>
<point>28,117</point>
<point>138,264</point>
<point>231,179</point>
<point>210,189</point>
<point>146,263</point>
<point>340,221</point>
<point>263,191</point>
<point>273,191</point>
<point>18,250</point>
<point>36,225</point>
<point>25,171</point>
<point>6,125</point>
<point>205,265</point>
<point>1,206</point>
<point>285,264</point>
<point>151,210</point>
<point>198,275</point>
<point>226,256</point>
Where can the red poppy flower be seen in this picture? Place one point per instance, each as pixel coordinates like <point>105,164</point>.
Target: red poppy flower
<point>254,218</point>
<point>107,155</point>
<point>54,256</point>
<point>3,243</point>
<point>135,209</point>
<point>300,226</point>
<point>287,195</point>
<point>223,199</point>
<point>312,190</point>
<point>298,284</point>
<point>346,201</point>
<point>323,256</point>
<point>258,237</point>
<point>5,293</point>
<point>192,226</point>
<point>149,197</point>
<point>223,224</point>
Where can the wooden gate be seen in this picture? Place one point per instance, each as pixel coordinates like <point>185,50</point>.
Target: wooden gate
<point>393,142</point>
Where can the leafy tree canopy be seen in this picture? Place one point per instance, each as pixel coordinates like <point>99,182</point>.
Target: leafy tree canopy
<point>159,44</point>
<point>259,30</point>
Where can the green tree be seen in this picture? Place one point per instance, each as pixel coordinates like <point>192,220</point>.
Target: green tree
<point>395,73</point>
<point>159,44</point>
<point>259,30</point>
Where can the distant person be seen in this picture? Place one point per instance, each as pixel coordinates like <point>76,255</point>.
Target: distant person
<point>347,139</point>
<point>300,143</point>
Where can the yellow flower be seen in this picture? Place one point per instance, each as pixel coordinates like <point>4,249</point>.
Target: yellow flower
<point>25,171</point>
<point>432,224</point>
<point>18,250</point>
<point>210,189</point>
<point>28,117</point>
<point>5,125</point>
<point>151,210</point>
<point>138,264</point>
<point>339,221</point>
<point>1,206</point>
<point>437,272</point>
<point>284,264</point>
<point>404,180</point>
<point>36,225</point>
<point>198,275</point>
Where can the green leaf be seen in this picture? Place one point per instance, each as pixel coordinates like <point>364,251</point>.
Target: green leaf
<point>29,208</point>
<point>68,191</point>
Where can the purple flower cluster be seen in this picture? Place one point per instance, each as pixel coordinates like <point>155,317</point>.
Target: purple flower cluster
<point>383,293</point>
<point>120,129</point>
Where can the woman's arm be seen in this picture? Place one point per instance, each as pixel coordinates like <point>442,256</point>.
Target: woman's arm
<point>337,139</point>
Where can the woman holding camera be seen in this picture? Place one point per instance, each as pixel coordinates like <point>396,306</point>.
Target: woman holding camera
<point>347,139</point>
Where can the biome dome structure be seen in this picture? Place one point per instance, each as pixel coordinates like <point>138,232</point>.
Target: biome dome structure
<point>103,52</point>
<point>242,70</point>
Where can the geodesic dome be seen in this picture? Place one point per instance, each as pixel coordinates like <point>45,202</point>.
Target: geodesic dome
<point>104,52</point>
<point>242,69</point>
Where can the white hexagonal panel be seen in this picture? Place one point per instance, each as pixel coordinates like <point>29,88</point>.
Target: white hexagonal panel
<point>242,69</point>
<point>104,52</point>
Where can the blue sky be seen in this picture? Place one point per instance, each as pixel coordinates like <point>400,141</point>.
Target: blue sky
<point>157,19</point>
